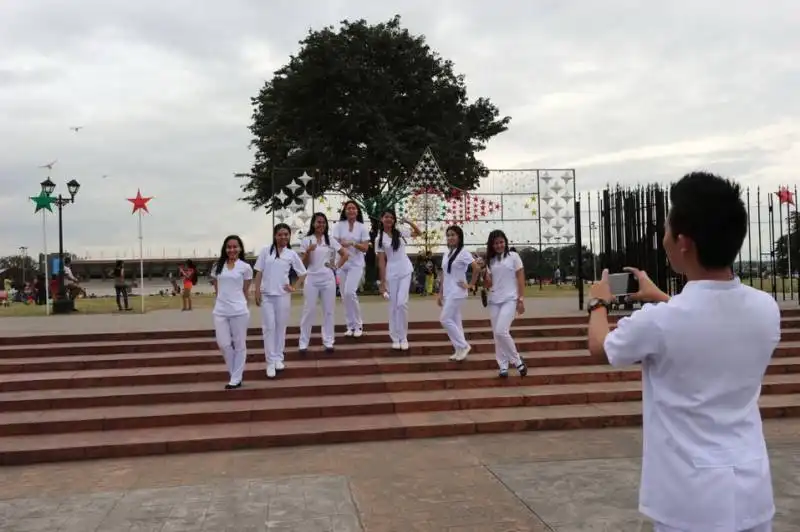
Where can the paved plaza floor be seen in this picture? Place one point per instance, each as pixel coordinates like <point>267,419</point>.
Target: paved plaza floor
<point>572,481</point>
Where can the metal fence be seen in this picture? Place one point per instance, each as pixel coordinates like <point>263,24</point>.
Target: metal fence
<point>626,227</point>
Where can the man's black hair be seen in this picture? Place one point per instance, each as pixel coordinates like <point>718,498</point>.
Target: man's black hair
<point>709,209</point>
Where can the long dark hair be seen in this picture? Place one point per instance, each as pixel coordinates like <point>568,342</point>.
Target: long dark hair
<point>343,214</point>
<point>395,232</point>
<point>456,250</point>
<point>278,227</point>
<point>223,254</point>
<point>490,252</point>
<point>311,229</point>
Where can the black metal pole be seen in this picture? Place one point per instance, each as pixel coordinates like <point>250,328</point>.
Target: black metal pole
<point>749,239</point>
<point>579,252</point>
<point>61,290</point>
<point>760,250</point>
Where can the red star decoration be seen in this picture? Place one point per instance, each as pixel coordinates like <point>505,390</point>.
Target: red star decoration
<point>139,202</point>
<point>784,196</point>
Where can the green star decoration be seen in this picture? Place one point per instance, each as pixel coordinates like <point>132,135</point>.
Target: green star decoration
<point>43,201</point>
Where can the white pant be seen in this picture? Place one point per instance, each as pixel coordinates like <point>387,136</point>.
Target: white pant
<point>313,292</point>
<point>450,319</point>
<point>502,315</point>
<point>275,311</point>
<point>398,307</point>
<point>231,333</point>
<point>349,280</point>
<point>763,527</point>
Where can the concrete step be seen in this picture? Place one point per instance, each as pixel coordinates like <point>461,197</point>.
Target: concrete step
<point>790,320</point>
<point>277,409</point>
<point>27,449</point>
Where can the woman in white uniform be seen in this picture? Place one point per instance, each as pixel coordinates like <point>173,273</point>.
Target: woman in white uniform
<point>505,279</point>
<point>319,253</point>
<point>453,289</point>
<point>353,235</point>
<point>395,270</point>
<point>231,277</point>
<point>274,294</point>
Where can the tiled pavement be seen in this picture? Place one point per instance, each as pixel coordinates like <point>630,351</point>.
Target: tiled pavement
<point>519,482</point>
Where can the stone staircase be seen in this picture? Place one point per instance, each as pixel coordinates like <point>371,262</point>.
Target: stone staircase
<point>72,397</point>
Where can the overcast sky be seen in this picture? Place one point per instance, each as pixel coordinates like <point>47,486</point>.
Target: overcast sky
<point>628,91</point>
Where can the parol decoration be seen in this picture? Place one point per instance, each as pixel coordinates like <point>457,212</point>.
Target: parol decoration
<point>43,201</point>
<point>139,202</point>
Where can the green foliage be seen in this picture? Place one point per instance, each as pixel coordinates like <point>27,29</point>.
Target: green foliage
<point>362,103</point>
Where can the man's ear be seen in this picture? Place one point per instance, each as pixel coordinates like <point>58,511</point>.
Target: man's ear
<point>685,244</point>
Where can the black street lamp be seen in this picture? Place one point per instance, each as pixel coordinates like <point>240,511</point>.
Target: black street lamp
<point>61,304</point>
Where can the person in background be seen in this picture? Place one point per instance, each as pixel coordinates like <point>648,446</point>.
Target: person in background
<point>320,255</point>
<point>395,271</point>
<point>274,294</point>
<point>188,273</point>
<point>704,352</point>
<point>120,288</point>
<point>454,290</point>
<point>505,279</point>
<point>353,235</point>
<point>231,276</point>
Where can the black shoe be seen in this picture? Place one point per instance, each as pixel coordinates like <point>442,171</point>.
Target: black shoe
<point>503,374</point>
<point>303,351</point>
<point>523,369</point>
<point>233,386</point>
<point>329,349</point>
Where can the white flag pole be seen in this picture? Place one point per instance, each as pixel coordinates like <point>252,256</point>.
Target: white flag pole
<point>46,267</point>
<point>141,260</point>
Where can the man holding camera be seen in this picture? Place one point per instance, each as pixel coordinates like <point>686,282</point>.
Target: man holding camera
<point>704,353</point>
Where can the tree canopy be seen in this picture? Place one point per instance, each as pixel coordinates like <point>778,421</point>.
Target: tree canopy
<point>361,104</point>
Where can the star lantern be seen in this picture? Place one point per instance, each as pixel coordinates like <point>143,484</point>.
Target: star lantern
<point>43,201</point>
<point>785,196</point>
<point>139,202</point>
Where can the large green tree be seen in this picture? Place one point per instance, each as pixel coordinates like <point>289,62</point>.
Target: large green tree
<point>361,103</point>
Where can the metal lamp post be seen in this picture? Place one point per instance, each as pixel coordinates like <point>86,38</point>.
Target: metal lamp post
<point>23,252</point>
<point>61,304</point>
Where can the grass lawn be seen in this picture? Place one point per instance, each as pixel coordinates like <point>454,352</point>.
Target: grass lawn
<point>108,305</point>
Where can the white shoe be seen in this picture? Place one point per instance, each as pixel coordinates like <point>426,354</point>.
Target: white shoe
<point>461,354</point>
<point>271,371</point>
<point>279,366</point>
<point>358,333</point>
<point>403,346</point>
<point>396,346</point>
<point>455,355</point>
<point>349,333</point>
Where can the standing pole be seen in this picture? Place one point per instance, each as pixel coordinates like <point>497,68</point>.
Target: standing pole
<point>141,260</point>
<point>46,267</point>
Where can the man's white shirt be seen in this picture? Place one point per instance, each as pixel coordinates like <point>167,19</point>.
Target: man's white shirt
<point>704,355</point>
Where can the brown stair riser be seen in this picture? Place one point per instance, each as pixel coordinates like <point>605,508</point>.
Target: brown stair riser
<point>256,341</point>
<point>542,321</point>
<point>343,344</point>
<point>300,389</point>
<point>345,435</point>
<point>391,364</point>
<point>246,414</point>
<point>577,320</point>
<point>254,356</point>
<point>249,374</point>
<point>363,349</point>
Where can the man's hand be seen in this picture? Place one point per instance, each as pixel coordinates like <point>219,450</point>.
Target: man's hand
<point>648,291</point>
<point>257,298</point>
<point>601,289</point>
<point>439,300</point>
